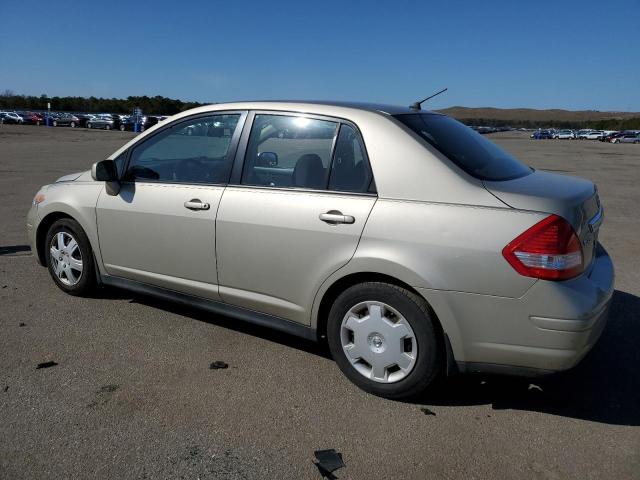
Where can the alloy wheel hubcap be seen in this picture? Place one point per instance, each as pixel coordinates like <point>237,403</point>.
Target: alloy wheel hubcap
<point>66,258</point>
<point>379,342</point>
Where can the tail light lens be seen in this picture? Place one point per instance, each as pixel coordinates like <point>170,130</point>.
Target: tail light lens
<point>549,250</point>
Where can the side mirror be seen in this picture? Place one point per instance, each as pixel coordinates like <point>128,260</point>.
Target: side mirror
<point>104,171</point>
<point>267,159</point>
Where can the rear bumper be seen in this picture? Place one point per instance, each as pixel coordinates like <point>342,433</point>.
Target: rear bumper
<point>550,328</point>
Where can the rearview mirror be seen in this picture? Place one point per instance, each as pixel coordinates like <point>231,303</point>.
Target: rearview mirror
<point>104,171</point>
<point>267,159</point>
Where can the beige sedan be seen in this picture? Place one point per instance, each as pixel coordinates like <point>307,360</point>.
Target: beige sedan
<point>411,244</point>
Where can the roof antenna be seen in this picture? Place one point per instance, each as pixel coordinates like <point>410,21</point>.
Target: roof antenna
<point>416,105</point>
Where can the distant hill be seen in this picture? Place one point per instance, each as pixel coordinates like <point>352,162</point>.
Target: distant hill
<point>536,115</point>
<point>533,117</point>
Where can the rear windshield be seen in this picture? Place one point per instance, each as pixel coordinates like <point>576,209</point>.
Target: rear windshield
<point>469,150</point>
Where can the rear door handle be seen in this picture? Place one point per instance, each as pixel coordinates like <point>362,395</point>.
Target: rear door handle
<point>196,204</point>
<point>333,217</point>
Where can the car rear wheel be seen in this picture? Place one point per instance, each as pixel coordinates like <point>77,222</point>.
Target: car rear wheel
<point>107,127</point>
<point>55,123</point>
<point>69,257</point>
<point>384,339</point>
<point>122,128</point>
<point>72,124</point>
<point>89,125</point>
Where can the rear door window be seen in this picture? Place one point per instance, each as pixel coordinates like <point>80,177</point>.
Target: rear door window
<point>289,151</point>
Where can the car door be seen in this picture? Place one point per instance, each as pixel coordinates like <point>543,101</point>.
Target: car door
<point>160,227</point>
<point>293,214</point>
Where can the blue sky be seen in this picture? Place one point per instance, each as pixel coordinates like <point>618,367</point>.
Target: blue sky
<point>543,54</point>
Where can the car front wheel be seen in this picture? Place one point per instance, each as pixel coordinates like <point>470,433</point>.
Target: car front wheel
<point>383,338</point>
<point>69,257</point>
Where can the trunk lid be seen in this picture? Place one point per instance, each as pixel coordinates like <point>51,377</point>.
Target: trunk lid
<point>575,199</point>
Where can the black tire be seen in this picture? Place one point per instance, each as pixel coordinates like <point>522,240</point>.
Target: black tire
<point>89,125</point>
<point>87,281</point>
<point>107,127</point>
<point>72,124</point>
<point>421,318</point>
<point>122,128</point>
<point>55,123</point>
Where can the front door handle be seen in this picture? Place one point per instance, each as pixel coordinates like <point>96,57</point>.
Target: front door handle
<point>333,217</point>
<point>196,204</point>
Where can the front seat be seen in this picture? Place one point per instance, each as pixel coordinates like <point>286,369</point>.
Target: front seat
<point>309,172</point>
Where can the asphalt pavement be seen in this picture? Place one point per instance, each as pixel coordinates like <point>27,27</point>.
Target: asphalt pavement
<point>131,394</point>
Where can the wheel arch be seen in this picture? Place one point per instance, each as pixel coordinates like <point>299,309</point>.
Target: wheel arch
<point>43,228</point>
<point>347,281</point>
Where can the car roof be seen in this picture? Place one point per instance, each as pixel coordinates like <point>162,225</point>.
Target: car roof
<point>304,104</point>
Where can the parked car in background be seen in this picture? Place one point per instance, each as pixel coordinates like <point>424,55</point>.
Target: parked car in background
<point>564,135</point>
<point>143,122</point>
<point>628,138</point>
<point>591,135</point>
<point>11,117</point>
<point>611,136</point>
<point>541,134</point>
<point>31,118</point>
<point>83,118</point>
<point>117,119</point>
<point>101,121</point>
<point>65,119</point>
<point>413,245</point>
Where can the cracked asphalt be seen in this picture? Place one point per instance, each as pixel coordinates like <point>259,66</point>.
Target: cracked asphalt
<point>132,394</point>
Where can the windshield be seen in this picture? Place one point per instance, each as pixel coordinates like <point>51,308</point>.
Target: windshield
<point>469,150</point>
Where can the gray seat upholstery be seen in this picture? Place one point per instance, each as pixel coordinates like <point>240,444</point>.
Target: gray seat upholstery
<point>309,172</point>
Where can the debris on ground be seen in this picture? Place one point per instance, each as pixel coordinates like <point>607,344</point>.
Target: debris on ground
<point>108,388</point>
<point>426,411</point>
<point>328,462</point>
<point>22,324</point>
<point>103,395</point>
<point>218,364</point>
<point>6,388</point>
<point>4,286</point>
<point>46,365</point>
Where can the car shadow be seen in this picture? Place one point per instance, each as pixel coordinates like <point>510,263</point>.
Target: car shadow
<point>240,326</point>
<point>604,387</point>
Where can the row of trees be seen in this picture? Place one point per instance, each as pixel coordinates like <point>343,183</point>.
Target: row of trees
<point>153,105</point>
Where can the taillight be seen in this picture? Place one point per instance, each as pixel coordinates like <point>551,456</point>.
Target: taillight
<point>549,250</point>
